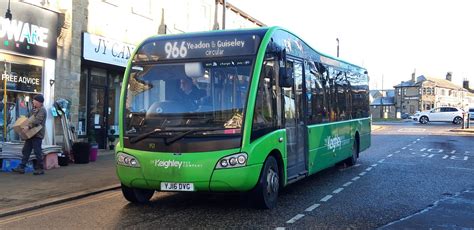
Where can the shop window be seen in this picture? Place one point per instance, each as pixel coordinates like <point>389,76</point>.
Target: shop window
<point>24,79</point>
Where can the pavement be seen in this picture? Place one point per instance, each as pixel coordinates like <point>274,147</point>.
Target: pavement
<point>26,192</point>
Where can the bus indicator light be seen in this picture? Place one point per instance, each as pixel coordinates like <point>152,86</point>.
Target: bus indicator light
<point>224,163</point>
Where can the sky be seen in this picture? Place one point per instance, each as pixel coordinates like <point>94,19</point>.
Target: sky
<point>391,38</point>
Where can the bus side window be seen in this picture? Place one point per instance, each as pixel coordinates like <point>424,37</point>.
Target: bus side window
<point>315,95</point>
<point>264,117</point>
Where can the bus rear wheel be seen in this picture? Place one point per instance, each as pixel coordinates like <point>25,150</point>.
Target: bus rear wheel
<point>136,195</point>
<point>352,160</point>
<point>265,193</point>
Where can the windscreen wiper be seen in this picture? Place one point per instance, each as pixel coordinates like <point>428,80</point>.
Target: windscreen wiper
<point>143,136</point>
<point>181,135</point>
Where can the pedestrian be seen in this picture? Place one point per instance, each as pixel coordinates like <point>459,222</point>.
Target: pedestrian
<point>37,117</point>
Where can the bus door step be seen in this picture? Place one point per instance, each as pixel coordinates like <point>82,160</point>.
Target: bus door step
<point>298,177</point>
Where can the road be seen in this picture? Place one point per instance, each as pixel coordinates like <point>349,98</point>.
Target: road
<point>408,169</point>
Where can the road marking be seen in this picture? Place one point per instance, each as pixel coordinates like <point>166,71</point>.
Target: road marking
<point>423,149</point>
<point>374,165</point>
<point>280,228</point>
<point>362,173</point>
<point>295,218</point>
<point>470,169</point>
<point>389,155</point>
<point>430,156</point>
<point>347,184</point>
<point>414,142</point>
<point>408,145</point>
<point>312,207</point>
<point>411,130</point>
<point>356,165</point>
<point>397,151</point>
<point>404,147</point>
<point>356,178</point>
<point>338,190</point>
<point>393,163</point>
<point>326,198</point>
<point>418,139</point>
<point>368,169</point>
<point>445,156</point>
<point>380,161</point>
<point>465,158</point>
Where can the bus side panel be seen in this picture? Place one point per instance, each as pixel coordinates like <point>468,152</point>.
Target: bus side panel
<point>321,156</point>
<point>259,149</point>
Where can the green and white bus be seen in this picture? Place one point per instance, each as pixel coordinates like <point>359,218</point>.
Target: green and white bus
<point>266,110</point>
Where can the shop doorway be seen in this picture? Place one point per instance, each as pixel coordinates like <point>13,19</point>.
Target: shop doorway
<point>102,110</point>
<point>98,116</point>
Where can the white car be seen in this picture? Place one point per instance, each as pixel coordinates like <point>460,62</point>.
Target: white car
<point>446,114</point>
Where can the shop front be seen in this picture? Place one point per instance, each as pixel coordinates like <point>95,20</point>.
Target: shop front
<point>103,66</point>
<point>27,64</point>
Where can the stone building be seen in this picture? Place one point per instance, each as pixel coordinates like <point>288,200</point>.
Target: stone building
<point>77,50</point>
<point>425,93</point>
<point>382,104</point>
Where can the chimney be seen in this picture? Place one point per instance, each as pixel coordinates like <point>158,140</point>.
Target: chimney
<point>449,76</point>
<point>413,76</point>
<point>465,84</point>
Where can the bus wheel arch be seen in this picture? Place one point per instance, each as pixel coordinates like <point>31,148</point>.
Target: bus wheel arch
<point>357,139</point>
<point>355,150</point>
<point>265,193</point>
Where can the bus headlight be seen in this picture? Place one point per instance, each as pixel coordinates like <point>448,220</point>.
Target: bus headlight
<point>127,160</point>
<point>232,161</point>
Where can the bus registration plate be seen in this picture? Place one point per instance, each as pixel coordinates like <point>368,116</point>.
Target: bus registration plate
<point>172,186</point>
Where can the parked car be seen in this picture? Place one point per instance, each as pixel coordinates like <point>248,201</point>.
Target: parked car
<point>446,114</point>
<point>471,113</point>
<point>406,116</point>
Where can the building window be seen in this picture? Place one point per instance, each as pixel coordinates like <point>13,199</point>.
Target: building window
<point>142,8</point>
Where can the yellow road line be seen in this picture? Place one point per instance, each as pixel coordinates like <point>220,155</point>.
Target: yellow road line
<point>58,208</point>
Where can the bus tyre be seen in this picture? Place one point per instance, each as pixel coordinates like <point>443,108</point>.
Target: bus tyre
<point>423,119</point>
<point>352,160</point>
<point>136,195</point>
<point>265,193</point>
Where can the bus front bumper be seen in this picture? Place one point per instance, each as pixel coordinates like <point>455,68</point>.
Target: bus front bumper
<point>222,180</point>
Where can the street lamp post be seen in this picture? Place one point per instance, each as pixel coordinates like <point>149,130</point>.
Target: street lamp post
<point>8,14</point>
<point>337,39</point>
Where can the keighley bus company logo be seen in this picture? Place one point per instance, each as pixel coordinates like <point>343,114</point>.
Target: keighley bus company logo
<point>174,164</point>
<point>334,142</point>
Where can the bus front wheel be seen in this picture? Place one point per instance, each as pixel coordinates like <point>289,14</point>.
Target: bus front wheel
<point>136,195</point>
<point>265,193</point>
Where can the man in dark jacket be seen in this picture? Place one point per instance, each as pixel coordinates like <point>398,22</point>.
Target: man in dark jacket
<point>37,117</point>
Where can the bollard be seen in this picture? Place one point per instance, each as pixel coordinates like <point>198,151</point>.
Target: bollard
<point>463,120</point>
<point>468,125</point>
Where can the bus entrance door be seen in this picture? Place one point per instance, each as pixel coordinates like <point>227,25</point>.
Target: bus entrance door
<point>294,123</point>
